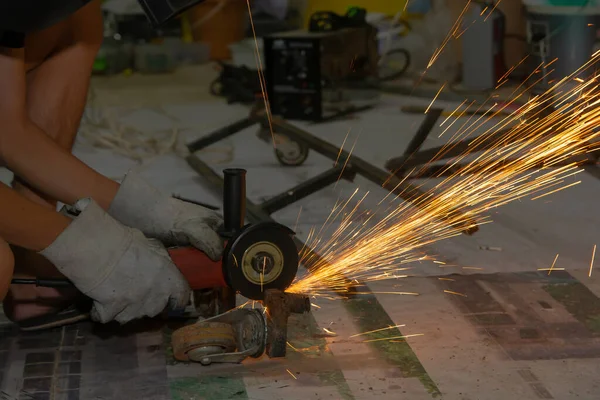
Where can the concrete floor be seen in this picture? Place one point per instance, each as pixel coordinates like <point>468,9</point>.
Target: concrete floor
<point>517,333</point>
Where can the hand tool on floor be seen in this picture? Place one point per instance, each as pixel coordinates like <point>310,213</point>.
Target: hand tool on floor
<point>257,257</point>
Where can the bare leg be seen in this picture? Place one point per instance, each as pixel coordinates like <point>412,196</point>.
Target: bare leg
<point>59,61</point>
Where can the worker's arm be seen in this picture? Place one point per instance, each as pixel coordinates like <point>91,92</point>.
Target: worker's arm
<point>32,155</point>
<point>36,158</point>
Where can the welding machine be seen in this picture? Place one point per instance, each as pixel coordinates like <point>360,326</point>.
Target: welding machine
<point>321,72</point>
<point>483,62</point>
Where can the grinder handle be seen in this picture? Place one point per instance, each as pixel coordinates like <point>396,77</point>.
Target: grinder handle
<point>197,268</point>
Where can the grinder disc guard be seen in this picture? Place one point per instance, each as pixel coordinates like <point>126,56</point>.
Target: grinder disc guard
<point>260,257</point>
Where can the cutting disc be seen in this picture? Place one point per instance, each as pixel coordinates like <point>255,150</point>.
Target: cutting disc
<point>262,256</point>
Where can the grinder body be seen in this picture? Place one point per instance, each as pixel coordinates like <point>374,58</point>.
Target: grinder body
<point>199,271</point>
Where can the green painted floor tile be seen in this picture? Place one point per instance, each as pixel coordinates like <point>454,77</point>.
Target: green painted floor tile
<point>370,316</point>
<point>208,388</point>
<point>579,301</point>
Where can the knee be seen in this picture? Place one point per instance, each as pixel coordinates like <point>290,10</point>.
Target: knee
<point>88,27</point>
<point>7,264</point>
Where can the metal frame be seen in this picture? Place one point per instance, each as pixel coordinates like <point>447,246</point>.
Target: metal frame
<point>347,165</point>
<point>414,157</point>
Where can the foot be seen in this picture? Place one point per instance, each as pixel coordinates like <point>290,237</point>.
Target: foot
<point>27,301</point>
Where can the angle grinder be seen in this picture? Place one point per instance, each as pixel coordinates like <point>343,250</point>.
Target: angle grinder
<point>257,257</point>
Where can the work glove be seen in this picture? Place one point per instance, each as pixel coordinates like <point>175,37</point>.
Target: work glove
<point>125,274</point>
<point>172,221</point>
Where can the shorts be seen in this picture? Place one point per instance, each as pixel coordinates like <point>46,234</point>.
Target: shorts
<point>12,39</point>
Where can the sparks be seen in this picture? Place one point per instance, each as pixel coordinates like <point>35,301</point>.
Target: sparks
<point>378,330</point>
<point>329,332</point>
<point>297,219</point>
<point>261,75</point>
<point>493,9</point>
<point>435,98</point>
<point>592,262</point>
<point>342,148</point>
<point>245,304</point>
<point>293,348</point>
<point>552,266</point>
<point>393,338</point>
<point>347,159</point>
<point>398,293</point>
<point>455,293</point>
<point>290,372</point>
<point>451,34</point>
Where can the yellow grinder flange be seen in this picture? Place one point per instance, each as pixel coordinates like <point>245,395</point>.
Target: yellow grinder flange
<point>262,263</point>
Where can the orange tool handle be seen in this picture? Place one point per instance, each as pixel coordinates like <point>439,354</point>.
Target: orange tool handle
<point>200,271</point>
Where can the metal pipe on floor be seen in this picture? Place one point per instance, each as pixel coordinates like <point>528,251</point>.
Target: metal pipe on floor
<point>220,134</point>
<point>307,188</point>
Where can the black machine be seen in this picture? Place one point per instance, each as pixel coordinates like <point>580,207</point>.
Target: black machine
<point>320,73</point>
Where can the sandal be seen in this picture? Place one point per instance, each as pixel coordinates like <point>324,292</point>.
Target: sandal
<point>74,313</point>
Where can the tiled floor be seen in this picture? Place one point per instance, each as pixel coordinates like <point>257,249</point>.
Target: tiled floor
<point>511,332</point>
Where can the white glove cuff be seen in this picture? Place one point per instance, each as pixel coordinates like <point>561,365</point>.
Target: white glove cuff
<point>88,249</point>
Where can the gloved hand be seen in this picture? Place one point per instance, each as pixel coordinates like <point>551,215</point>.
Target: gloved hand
<point>172,221</point>
<point>127,275</point>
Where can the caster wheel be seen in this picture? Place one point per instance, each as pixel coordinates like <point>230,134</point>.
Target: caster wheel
<point>198,341</point>
<point>395,64</point>
<point>289,152</point>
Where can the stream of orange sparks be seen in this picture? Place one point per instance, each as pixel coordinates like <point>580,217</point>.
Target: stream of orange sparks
<point>534,136</point>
